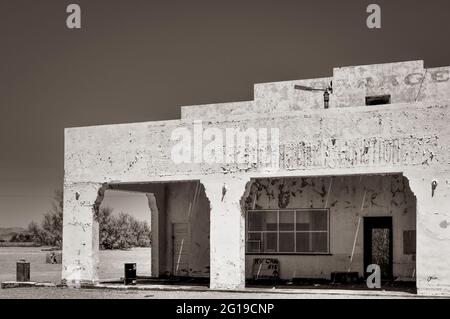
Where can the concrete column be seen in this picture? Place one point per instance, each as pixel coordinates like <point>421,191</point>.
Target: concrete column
<point>80,234</point>
<point>154,225</point>
<point>227,231</point>
<point>433,230</point>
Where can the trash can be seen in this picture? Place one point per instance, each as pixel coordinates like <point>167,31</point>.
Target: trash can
<point>130,274</point>
<point>23,271</point>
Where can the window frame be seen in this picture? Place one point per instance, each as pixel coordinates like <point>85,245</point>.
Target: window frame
<point>294,210</point>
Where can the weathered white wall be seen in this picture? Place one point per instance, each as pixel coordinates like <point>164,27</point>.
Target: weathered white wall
<point>352,84</point>
<point>348,198</point>
<point>217,110</point>
<point>382,137</point>
<point>227,217</point>
<point>433,230</point>
<point>80,235</point>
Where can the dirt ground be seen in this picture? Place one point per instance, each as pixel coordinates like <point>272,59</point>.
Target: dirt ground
<point>67,293</point>
<point>111,267</point>
<point>111,263</point>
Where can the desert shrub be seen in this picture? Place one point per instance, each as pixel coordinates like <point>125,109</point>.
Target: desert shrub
<point>50,231</point>
<point>120,231</point>
<point>21,238</point>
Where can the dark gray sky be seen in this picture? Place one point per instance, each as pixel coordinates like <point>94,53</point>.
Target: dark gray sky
<point>140,60</point>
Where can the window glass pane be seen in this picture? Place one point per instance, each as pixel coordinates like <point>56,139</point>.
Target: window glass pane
<point>271,221</point>
<point>274,231</point>
<point>286,220</point>
<point>262,221</point>
<point>303,220</point>
<point>302,241</point>
<point>319,242</point>
<point>255,221</point>
<point>319,220</point>
<point>254,247</point>
<point>254,242</point>
<point>270,242</point>
<point>254,236</point>
<point>287,242</point>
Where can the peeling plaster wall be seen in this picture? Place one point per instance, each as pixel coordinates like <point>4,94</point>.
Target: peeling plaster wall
<point>217,110</point>
<point>80,234</point>
<point>385,137</point>
<point>278,97</point>
<point>388,195</point>
<point>433,231</point>
<point>354,83</point>
<point>227,230</point>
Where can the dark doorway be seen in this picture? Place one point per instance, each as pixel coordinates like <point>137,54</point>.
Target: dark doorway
<point>378,244</point>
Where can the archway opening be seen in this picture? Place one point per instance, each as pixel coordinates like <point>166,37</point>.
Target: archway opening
<point>323,232</point>
<point>124,234</point>
<point>178,218</point>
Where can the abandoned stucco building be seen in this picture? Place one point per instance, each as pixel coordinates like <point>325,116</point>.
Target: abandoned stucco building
<point>364,180</point>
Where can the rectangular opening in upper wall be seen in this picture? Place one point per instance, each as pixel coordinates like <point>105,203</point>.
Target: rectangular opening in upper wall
<point>378,100</point>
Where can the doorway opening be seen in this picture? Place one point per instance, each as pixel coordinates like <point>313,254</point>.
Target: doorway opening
<point>378,245</point>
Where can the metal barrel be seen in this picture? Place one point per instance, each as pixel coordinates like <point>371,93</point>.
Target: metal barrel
<point>23,271</point>
<point>130,274</point>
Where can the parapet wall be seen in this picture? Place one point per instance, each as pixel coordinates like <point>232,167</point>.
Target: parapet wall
<point>405,82</point>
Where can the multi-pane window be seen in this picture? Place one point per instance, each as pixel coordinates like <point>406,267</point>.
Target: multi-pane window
<point>304,231</point>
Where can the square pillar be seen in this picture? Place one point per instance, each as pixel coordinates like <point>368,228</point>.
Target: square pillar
<point>80,234</point>
<point>156,244</point>
<point>227,232</point>
<point>433,230</point>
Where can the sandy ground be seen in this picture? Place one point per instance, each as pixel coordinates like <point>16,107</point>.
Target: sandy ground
<point>111,267</point>
<point>67,293</point>
<point>111,263</point>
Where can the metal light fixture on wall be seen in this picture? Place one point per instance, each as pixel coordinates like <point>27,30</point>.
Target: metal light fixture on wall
<point>326,92</point>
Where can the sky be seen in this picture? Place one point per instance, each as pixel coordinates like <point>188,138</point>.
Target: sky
<point>133,203</point>
<point>135,61</point>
